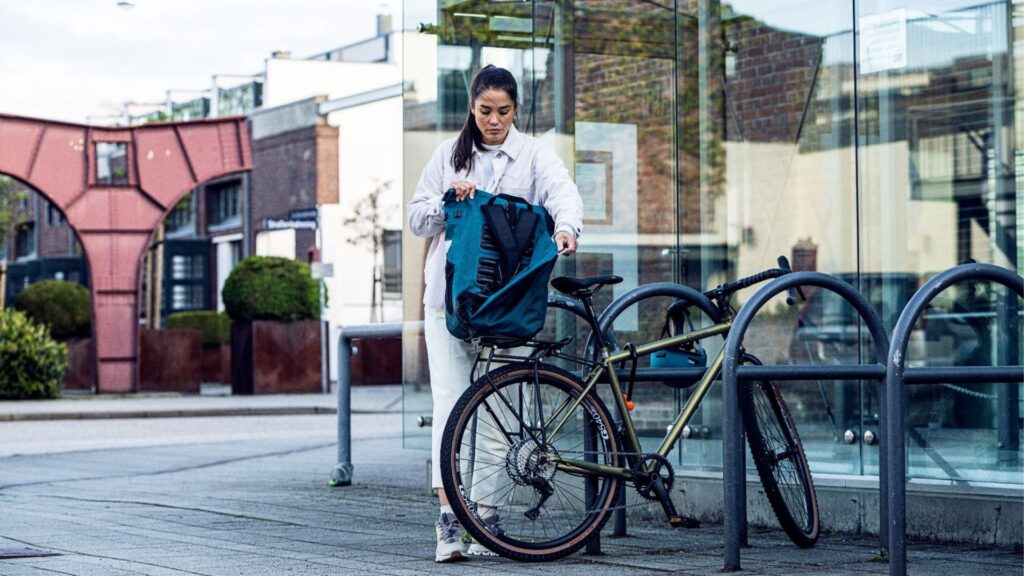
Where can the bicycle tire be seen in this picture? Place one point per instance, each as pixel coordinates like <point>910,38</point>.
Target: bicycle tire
<point>565,523</point>
<point>780,461</point>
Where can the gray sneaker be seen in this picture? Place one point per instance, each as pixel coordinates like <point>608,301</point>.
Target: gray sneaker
<point>451,540</point>
<point>493,525</point>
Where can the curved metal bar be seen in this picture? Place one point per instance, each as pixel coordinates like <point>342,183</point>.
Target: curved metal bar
<point>678,291</point>
<point>733,455</point>
<point>341,475</point>
<point>892,435</point>
<point>657,289</point>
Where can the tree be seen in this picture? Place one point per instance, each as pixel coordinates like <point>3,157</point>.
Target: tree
<point>13,208</point>
<point>367,226</point>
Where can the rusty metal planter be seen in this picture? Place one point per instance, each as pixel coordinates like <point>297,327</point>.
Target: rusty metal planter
<point>275,357</point>
<point>379,361</point>
<point>216,363</point>
<point>81,371</point>
<point>170,360</point>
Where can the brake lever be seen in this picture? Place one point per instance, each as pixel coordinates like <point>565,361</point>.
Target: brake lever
<point>790,292</point>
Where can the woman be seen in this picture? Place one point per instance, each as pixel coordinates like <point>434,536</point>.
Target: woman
<point>491,154</point>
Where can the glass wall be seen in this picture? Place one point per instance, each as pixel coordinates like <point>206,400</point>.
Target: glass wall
<point>868,140</point>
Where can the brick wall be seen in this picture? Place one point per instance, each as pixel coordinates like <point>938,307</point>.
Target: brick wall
<point>291,171</point>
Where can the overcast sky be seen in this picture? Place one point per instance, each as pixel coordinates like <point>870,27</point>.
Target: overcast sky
<point>71,59</point>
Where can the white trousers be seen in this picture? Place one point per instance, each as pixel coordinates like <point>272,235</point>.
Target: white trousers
<point>451,363</point>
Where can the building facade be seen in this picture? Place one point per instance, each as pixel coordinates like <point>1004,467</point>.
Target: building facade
<point>326,135</point>
<point>871,140</point>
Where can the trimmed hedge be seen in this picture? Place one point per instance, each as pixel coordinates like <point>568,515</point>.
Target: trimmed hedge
<point>271,288</point>
<point>216,327</point>
<point>33,363</point>
<point>63,306</point>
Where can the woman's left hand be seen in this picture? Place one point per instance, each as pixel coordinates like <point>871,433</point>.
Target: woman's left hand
<point>566,243</point>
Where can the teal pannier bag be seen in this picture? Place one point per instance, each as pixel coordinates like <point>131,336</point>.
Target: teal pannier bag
<point>499,257</point>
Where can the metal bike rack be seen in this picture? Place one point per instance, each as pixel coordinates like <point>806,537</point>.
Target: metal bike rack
<point>733,449</point>
<point>342,473</point>
<point>897,375</point>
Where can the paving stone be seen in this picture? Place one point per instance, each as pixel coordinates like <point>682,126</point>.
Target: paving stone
<point>263,507</point>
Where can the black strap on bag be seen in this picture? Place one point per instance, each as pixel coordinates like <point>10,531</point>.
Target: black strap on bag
<point>513,235</point>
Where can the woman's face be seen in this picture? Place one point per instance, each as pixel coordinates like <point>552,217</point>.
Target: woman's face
<point>493,111</point>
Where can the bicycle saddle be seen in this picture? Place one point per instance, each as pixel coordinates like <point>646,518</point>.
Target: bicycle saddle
<point>572,286</point>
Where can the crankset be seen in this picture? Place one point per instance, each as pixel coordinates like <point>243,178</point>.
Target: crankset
<point>653,477</point>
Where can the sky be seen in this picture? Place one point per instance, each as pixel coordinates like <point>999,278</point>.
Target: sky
<point>78,60</point>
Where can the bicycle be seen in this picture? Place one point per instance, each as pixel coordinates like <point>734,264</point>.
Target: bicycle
<point>534,446</point>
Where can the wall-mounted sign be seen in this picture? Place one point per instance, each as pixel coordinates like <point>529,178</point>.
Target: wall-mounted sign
<point>280,224</point>
<point>304,214</point>
<point>883,41</point>
<point>322,270</point>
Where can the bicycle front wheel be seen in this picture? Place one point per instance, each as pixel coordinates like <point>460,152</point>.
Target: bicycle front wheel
<point>780,460</point>
<point>497,457</point>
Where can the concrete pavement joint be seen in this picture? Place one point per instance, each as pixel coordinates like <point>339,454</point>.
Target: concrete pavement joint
<point>171,470</point>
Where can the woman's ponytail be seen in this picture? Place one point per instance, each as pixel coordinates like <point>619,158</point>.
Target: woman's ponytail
<point>470,137</point>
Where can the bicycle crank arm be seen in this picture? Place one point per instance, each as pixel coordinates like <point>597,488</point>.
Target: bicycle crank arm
<point>676,520</point>
<point>546,491</point>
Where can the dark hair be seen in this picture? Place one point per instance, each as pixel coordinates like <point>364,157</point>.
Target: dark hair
<point>489,77</point>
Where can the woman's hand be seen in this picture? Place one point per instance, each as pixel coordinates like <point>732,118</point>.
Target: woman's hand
<point>566,243</point>
<point>463,188</point>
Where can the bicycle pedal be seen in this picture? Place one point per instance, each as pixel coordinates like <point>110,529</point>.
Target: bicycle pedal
<point>684,522</point>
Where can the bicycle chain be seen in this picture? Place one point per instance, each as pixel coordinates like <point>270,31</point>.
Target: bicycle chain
<point>642,501</point>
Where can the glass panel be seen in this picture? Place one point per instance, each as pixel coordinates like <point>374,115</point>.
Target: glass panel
<point>938,156</point>
<point>767,168</point>
<point>871,141</point>
<point>618,75</point>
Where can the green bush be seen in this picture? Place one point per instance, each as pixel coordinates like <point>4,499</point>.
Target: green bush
<point>216,327</point>
<point>32,364</point>
<point>271,288</point>
<point>63,306</point>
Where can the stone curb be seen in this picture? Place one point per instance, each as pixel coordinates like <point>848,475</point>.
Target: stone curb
<point>177,413</point>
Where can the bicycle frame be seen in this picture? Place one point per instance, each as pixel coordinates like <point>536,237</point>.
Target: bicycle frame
<point>607,366</point>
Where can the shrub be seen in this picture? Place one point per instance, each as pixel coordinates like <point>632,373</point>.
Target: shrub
<point>271,288</point>
<point>63,306</point>
<point>32,364</point>
<point>216,327</point>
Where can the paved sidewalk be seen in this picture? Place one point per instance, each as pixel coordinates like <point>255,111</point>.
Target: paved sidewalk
<point>262,507</point>
<point>365,399</point>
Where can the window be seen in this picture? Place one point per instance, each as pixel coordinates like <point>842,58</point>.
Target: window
<point>53,216</point>
<point>112,163</point>
<point>225,204</point>
<point>187,267</point>
<point>25,241</point>
<point>186,274</point>
<point>392,276</point>
<point>182,216</point>
<point>187,297</point>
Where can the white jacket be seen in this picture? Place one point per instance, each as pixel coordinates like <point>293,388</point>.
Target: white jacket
<point>523,167</point>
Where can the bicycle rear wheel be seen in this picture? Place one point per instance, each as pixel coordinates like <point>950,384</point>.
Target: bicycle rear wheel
<point>780,460</point>
<point>494,459</point>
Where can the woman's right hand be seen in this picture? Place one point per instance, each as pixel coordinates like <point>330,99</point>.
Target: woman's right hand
<point>463,188</point>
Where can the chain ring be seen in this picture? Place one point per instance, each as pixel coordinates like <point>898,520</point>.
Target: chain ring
<point>642,482</point>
